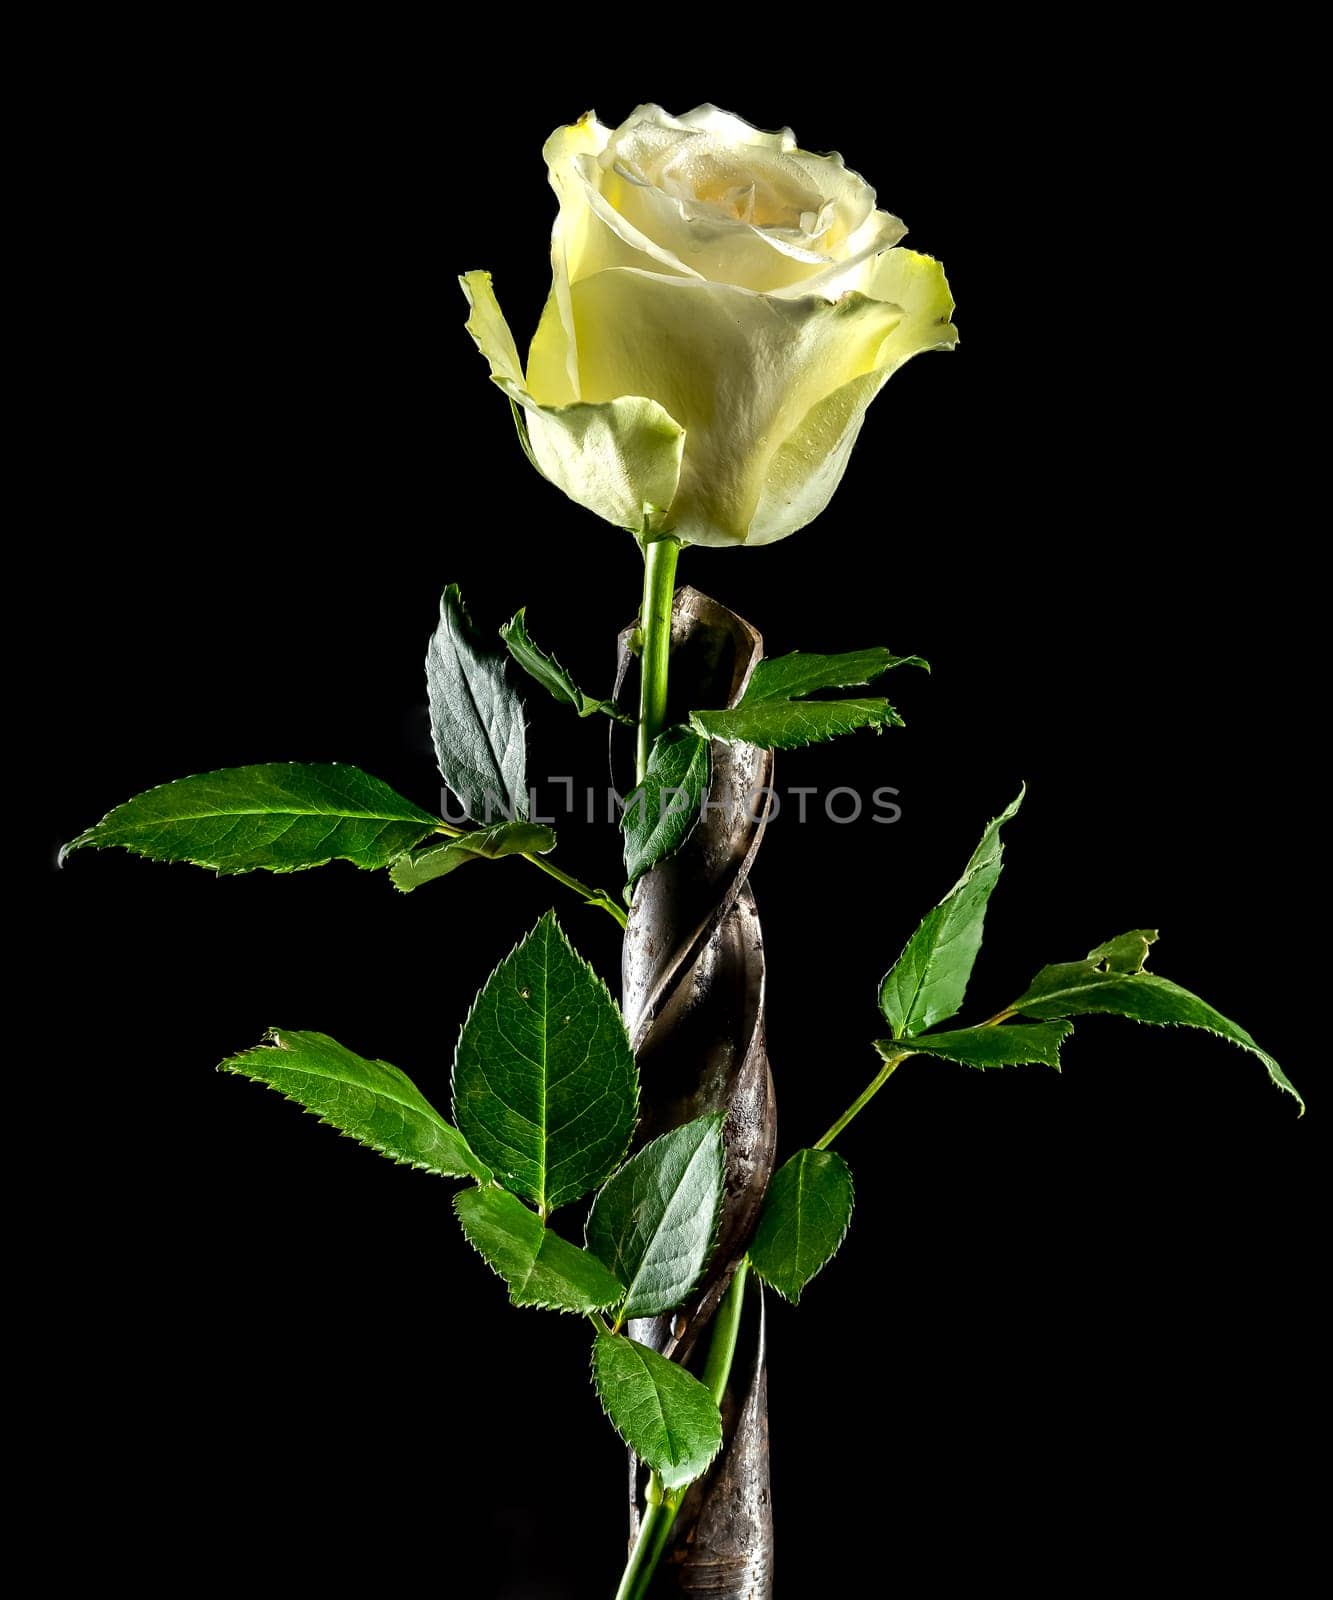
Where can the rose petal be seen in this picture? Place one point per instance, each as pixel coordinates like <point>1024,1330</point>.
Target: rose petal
<point>731,203</point>
<point>855,260</point>
<point>808,466</point>
<point>725,125</point>
<point>620,458</point>
<point>737,370</point>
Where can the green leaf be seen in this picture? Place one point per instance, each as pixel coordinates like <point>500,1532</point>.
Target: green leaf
<point>1033,1044</point>
<point>802,672</point>
<point>500,839</point>
<point>788,724</point>
<point>540,1267</point>
<point>654,1221</point>
<point>1127,953</point>
<point>1112,981</point>
<point>806,1216</point>
<point>772,714</point>
<point>550,674</point>
<point>662,812</point>
<point>545,1086</point>
<point>476,718</point>
<point>282,816</point>
<point>927,983</point>
<point>367,1100</point>
<point>663,1413</point>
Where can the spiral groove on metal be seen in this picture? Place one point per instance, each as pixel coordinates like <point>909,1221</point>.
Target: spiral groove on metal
<point>693,994</point>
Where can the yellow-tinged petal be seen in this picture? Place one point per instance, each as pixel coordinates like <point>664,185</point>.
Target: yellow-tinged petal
<point>809,463</point>
<point>619,458</point>
<point>588,237</point>
<point>808,466</point>
<point>917,284</point>
<point>587,136</point>
<point>549,381</point>
<point>733,204</point>
<point>724,125</point>
<point>490,332</point>
<point>724,307</point>
<point>739,371</point>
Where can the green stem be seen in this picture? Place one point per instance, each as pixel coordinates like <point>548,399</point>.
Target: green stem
<point>726,1328</point>
<point>658,1521</point>
<point>882,1077</point>
<point>594,897</point>
<point>864,1098</point>
<point>659,583</point>
<point>638,1574</point>
<point>660,1513</point>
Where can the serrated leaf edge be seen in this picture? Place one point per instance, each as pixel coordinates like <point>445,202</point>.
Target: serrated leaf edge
<point>445,844</point>
<point>272,1040</point>
<point>477,640</point>
<point>903,1048</point>
<point>86,839</point>
<point>970,871</point>
<point>719,1119</point>
<point>596,1389</point>
<point>851,683</point>
<point>601,982</point>
<point>520,618</point>
<point>524,1305</point>
<point>695,811</point>
<point>888,717</point>
<point>1254,1049</point>
<point>795,1300</point>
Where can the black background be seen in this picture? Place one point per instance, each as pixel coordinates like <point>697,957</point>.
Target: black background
<point>1066,1301</point>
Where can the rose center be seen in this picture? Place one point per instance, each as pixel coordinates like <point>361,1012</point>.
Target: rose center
<point>753,192</point>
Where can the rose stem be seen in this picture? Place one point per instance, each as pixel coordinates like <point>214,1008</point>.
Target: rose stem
<point>660,1512</point>
<point>659,581</point>
<point>593,897</point>
<point>891,1064</point>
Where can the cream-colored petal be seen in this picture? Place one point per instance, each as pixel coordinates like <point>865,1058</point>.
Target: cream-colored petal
<point>551,353</point>
<point>849,191</point>
<point>605,236</point>
<point>720,250</point>
<point>731,203</point>
<point>490,332</point>
<point>917,284</point>
<point>854,260</point>
<point>808,465</point>
<point>620,458</point>
<point>590,234</point>
<point>587,136</point>
<point>588,237</point>
<point>737,370</point>
<point>725,125</point>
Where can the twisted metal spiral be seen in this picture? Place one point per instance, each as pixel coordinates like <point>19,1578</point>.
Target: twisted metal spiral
<point>693,995</point>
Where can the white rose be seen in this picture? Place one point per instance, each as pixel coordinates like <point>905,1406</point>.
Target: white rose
<point>724,308</point>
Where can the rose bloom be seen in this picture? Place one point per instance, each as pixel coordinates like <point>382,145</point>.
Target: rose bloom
<point>724,307</point>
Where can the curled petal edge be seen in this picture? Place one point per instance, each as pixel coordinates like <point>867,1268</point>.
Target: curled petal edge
<point>808,466</point>
<point>620,459</point>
